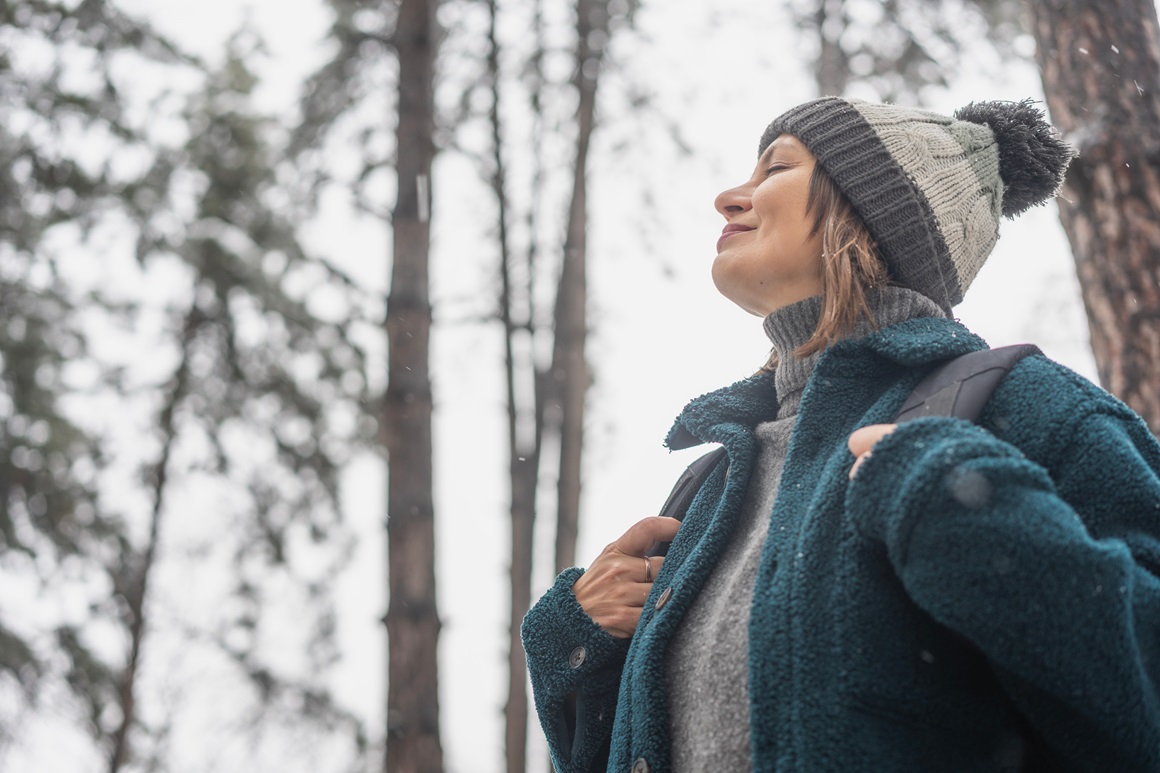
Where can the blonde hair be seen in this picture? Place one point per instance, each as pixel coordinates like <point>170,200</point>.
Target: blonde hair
<point>851,267</point>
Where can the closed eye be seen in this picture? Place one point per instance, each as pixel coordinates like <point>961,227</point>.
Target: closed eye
<point>775,168</point>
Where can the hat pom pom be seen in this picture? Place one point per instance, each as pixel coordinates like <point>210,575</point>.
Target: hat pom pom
<point>1032,155</point>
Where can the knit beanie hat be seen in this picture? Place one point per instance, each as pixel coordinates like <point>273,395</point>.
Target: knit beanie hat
<point>929,187</point>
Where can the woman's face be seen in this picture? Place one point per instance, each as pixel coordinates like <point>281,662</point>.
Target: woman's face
<point>766,258</point>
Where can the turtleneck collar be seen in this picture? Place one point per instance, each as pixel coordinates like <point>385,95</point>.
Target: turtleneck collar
<point>791,326</point>
<point>788,328</point>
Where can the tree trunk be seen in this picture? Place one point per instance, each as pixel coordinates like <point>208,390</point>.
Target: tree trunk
<point>569,376</point>
<point>412,619</point>
<point>525,427</point>
<point>1100,63</point>
<point>136,591</point>
<point>832,72</point>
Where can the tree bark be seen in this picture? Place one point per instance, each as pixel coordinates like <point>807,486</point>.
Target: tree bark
<point>412,619</point>
<point>569,376</point>
<point>1100,63</point>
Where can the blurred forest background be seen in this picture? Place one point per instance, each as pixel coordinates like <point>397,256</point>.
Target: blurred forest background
<point>332,329</point>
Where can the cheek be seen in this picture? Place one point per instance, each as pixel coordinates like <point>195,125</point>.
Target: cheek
<point>787,235</point>
<point>783,200</point>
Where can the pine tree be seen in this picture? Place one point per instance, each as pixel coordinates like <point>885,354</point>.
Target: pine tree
<point>1100,64</point>
<point>63,123</point>
<point>898,48</point>
<point>371,36</point>
<point>203,376</point>
<point>270,390</point>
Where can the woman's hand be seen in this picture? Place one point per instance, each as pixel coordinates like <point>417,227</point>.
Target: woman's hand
<point>863,439</point>
<point>613,590</point>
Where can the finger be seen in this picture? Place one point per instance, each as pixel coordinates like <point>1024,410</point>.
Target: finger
<point>622,624</point>
<point>632,570</point>
<point>617,609</point>
<point>612,569</point>
<point>864,438</point>
<point>652,567</point>
<point>634,594</point>
<point>642,534</point>
<point>858,463</point>
<point>629,594</point>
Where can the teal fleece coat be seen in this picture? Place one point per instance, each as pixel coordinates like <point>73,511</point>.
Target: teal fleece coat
<point>980,598</point>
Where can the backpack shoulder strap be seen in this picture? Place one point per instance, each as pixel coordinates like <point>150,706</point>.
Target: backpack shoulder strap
<point>690,483</point>
<point>962,386</point>
<point>685,490</point>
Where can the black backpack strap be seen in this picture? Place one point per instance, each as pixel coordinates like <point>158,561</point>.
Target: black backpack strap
<point>690,483</point>
<point>962,386</point>
<point>682,494</point>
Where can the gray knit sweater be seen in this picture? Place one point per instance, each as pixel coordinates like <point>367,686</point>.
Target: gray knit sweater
<point>706,665</point>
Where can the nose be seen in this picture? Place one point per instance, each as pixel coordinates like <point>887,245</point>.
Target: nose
<point>733,201</point>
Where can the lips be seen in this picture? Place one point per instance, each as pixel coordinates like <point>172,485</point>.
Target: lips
<point>730,230</point>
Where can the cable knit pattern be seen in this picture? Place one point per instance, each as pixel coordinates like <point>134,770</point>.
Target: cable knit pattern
<point>931,188</point>
<point>957,171</point>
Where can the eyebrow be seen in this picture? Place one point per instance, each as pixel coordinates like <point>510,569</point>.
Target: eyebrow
<point>775,145</point>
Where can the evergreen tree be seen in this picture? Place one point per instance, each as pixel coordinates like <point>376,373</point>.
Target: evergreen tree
<point>270,392</point>
<point>63,122</point>
<point>897,48</point>
<point>1100,64</point>
<point>177,414</point>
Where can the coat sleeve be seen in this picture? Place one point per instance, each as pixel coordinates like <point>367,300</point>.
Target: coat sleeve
<point>575,668</point>
<point>1053,577</point>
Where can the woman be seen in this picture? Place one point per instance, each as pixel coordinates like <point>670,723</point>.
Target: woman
<point>964,598</point>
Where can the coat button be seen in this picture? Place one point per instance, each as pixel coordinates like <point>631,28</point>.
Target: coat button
<point>576,658</point>
<point>666,594</point>
<point>640,766</point>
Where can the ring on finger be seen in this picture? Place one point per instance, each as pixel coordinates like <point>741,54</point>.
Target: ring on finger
<point>648,569</point>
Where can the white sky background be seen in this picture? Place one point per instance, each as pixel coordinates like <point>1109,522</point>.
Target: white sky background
<point>657,341</point>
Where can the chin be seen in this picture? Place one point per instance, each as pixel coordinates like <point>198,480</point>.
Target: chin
<point>727,288</point>
<point>724,272</point>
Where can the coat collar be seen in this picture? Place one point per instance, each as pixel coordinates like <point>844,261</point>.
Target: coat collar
<point>749,402</point>
<point>913,343</point>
